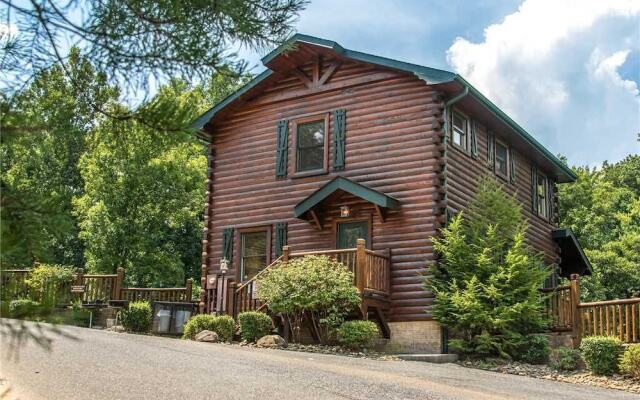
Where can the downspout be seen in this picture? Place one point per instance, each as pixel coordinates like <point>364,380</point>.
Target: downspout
<point>447,106</point>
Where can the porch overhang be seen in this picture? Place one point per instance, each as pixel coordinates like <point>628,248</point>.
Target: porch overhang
<point>308,209</point>
<point>573,259</point>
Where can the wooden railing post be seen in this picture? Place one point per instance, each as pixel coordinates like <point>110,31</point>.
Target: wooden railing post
<point>286,251</point>
<point>117,288</point>
<point>360,265</point>
<point>189,290</point>
<point>576,321</point>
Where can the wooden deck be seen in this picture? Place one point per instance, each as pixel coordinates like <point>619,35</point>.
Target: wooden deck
<point>372,277</point>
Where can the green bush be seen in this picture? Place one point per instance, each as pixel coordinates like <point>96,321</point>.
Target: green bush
<point>601,353</point>
<point>23,308</point>
<point>138,317</point>
<point>312,285</point>
<point>535,349</point>
<point>565,359</point>
<point>223,325</point>
<point>49,284</point>
<point>79,315</point>
<point>357,334</point>
<point>630,361</point>
<point>254,325</point>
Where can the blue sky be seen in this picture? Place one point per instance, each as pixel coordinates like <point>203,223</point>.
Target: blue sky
<point>566,70</point>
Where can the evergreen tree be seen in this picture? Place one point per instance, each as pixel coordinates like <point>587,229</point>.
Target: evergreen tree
<point>487,282</point>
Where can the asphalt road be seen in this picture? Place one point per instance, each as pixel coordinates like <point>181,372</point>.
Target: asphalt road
<point>91,364</point>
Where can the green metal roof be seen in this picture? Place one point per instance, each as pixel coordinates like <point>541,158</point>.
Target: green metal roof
<point>349,186</point>
<point>431,76</point>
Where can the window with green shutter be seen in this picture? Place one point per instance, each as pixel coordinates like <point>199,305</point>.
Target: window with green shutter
<point>339,138</point>
<point>534,196</point>
<point>512,165</point>
<point>281,237</point>
<point>474,140</point>
<point>282,148</point>
<point>490,150</point>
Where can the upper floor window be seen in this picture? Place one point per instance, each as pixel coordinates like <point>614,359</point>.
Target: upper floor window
<point>311,145</point>
<point>502,159</point>
<point>255,249</point>
<point>541,195</point>
<point>459,130</point>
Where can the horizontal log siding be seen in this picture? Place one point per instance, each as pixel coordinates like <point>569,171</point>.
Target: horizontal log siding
<point>389,147</point>
<point>462,175</point>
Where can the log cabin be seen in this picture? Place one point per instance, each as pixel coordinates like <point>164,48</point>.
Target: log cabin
<point>360,157</point>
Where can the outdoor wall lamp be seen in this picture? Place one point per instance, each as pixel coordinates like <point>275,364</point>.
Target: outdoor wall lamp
<point>345,211</point>
<point>224,266</point>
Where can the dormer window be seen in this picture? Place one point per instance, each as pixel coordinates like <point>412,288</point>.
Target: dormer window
<point>459,130</point>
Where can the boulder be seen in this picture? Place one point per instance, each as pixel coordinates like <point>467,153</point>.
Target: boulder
<point>207,336</point>
<point>271,342</point>
<point>117,328</point>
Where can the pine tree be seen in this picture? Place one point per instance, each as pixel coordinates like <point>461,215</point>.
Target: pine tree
<point>486,283</point>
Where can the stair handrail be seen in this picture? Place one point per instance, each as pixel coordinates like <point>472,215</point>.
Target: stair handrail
<point>245,284</point>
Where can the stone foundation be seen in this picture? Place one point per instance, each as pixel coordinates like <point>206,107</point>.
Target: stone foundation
<point>415,337</point>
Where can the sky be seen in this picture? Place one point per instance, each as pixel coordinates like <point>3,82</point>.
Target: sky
<point>568,71</point>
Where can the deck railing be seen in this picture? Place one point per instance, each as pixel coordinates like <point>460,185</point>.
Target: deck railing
<point>614,318</point>
<point>372,275</point>
<point>94,288</point>
<point>559,308</point>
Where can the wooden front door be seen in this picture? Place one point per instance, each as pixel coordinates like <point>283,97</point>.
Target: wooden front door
<point>349,232</point>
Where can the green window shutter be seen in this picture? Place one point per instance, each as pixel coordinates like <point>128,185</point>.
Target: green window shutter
<point>227,244</point>
<point>512,165</point>
<point>281,237</point>
<point>339,136</point>
<point>490,150</point>
<point>282,149</point>
<point>550,198</point>
<point>474,140</point>
<point>534,195</point>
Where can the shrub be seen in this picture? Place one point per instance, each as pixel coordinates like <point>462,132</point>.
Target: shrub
<point>312,285</point>
<point>22,308</point>
<point>254,325</point>
<point>601,353</point>
<point>80,316</point>
<point>630,361</point>
<point>486,283</point>
<point>223,325</point>
<point>138,317</point>
<point>357,334</point>
<point>535,349</point>
<point>48,283</point>
<point>565,359</point>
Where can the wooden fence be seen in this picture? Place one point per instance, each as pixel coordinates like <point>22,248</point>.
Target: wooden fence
<point>92,289</point>
<point>619,318</point>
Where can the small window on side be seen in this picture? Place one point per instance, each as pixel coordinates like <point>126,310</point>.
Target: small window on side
<point>459,130</point>
<point>502,159</point>
<point>541,196</point>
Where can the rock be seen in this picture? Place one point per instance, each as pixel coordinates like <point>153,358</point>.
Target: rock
<point>116,328</point>
<point>207,336</point>
<point>271,342</point>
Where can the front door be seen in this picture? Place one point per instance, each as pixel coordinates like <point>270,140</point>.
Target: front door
<point>349,232</point>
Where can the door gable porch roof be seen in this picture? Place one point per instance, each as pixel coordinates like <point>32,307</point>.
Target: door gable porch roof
<point>366,193</point>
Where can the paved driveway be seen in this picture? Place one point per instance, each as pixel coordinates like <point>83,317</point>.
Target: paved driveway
<point>104,365</point>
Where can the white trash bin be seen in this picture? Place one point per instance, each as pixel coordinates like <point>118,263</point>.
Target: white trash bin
<point>164,320</point>
<point>182,316</point>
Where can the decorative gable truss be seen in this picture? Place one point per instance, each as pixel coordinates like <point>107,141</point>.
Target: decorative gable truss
<point>320,73</point>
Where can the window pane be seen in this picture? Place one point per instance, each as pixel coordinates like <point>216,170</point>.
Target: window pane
<point>459,122</point>
<point>541,189</point>
<point>459,131</point>
<point>253,253</point>
<point>501,159</point>
<point>310,159</point>
<point>311,134</point>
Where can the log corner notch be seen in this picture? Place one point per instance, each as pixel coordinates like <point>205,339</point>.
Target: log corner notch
<point>206,234</point>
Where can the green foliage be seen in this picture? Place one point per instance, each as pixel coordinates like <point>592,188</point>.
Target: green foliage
<point>49,284</point>
<point>311,285</point>
<point>23,308</point>
<point>357,334</point>
<point>138,317</point>
<point>630,361</point>
<point>254,325</point>
<point>603,209</point>
<point>79,315</point>
<point>487,282</point>
<point>223,325</point>
<point>565,359</point>
<point>601,353</point>
<point>534,349</point>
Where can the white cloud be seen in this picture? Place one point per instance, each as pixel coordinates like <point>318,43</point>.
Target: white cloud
<point>7,30</point>
<point>554,67</point>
